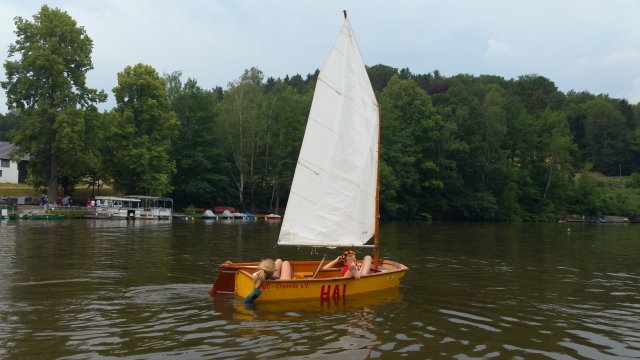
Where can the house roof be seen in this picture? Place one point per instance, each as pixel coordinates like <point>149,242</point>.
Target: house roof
<point>6,148</point>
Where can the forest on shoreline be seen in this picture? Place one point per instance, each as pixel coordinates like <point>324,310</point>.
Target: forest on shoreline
<point>463,147</point>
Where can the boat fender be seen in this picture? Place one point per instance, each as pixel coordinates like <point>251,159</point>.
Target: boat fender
<point>252,297</point>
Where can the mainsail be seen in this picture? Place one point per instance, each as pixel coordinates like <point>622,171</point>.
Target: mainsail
<point>332,198</point>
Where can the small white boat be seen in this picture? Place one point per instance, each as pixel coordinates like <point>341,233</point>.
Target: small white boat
<point>273,217</point>
<point>208,214</point>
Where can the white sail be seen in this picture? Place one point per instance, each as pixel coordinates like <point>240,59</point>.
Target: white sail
<point>332,199</point>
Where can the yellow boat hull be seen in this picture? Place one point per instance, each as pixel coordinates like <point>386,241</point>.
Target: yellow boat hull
<point>309,283</point>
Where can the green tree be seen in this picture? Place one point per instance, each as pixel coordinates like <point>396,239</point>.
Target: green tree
<point>174,85</point>
<point>201,167</point>
<point>139,161</point>
<point>586,194</point>
<point>380,76</point>
<point>8,123</point>
<point>432,83</point>
<point>477,110</point>
<point>610,143</point>
<point>244,128</point>
<point>286,120</point>
<point>47,85</point>
<point>409,131</point>
<point>457,109</point>
<point>519,143</point>
<point>101,128</point>
<point>538,93</point>
<point>576,118</point>
<point>493,131</point>
<point>557,149</point>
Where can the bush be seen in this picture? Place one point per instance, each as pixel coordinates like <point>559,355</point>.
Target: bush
<point>634,181</point>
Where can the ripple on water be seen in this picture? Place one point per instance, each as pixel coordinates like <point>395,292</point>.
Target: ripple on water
<point>162,294</point>
<point>473,297</point>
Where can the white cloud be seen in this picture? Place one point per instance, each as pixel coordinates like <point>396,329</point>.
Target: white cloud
<point>498,50</point>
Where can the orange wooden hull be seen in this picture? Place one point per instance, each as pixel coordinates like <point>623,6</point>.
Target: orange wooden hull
<point>326,285</point>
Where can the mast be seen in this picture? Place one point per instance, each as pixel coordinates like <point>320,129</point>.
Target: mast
<point>376,235</point>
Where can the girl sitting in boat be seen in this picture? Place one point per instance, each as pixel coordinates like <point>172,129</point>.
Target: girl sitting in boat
<point>350,267</point>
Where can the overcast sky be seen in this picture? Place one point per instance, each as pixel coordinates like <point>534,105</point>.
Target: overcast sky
<point>591,45</point>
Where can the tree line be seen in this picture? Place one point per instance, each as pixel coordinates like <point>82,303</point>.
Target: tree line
<point>461,147</point>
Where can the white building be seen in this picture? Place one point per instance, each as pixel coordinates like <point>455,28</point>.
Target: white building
<point>11,172</point>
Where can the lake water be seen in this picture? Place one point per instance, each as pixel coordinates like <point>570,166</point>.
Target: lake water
<point>137,290</point>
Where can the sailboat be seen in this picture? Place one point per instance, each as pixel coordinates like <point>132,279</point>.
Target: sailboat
<point>334,198</point>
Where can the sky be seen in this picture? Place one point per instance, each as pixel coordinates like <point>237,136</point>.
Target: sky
<point>580,45</point>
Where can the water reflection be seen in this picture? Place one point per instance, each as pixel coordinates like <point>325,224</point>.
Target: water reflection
<point>310,329</point>
<point>307,306</point>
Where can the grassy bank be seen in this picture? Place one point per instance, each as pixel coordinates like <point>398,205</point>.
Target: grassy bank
<point>17,190</point>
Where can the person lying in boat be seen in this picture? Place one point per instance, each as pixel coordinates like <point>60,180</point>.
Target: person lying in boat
<point>271,270</point>
<point>350,266</point>
<point>268,270</point>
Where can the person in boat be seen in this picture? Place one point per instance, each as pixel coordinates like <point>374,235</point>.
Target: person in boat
<point>271,270</point>
<point>267,270</point>
<point>350,266</point>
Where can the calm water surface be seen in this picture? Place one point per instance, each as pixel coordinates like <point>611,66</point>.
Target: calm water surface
<point>138,290</point>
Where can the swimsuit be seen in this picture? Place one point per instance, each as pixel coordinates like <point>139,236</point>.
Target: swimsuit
<point>345,268</point>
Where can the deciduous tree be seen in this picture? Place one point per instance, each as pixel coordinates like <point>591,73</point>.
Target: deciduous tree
<point>244,126</point>
<point>139,161</point>
<point>46,83</point>
<point>202,169</point>
<point>409,133</point>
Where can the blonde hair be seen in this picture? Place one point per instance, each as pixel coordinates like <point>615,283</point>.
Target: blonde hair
<point>265,269</point>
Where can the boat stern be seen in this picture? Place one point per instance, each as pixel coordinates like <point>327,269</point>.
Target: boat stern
<point>225,282</point>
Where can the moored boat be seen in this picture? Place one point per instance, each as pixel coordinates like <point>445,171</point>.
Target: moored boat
<point>208,214</point>
<point>183,217</point>
<point>154,207</point>
<point>334,197</point>
<point>273,217</point>
<point>227,215</point>
<point>132,207</point>
<point>114,207</point>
